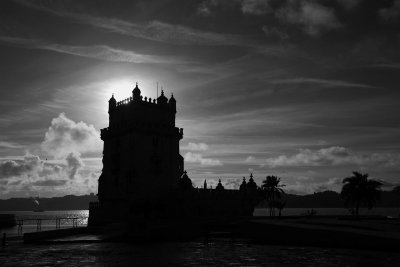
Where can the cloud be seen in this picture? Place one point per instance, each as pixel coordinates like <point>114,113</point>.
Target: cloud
<point>390,13</point>
<point>154,30</point>
<point>205,8</point>
<point>255,7</point>
<point>232,183</point>
<point>250,159</point>
<point>302,188</point>
<point>74,163</point>
<point>50,183</point>
<point>12,168</point>
<point>198,158</point>
<point>333,156</point>
<point>35,168</point>
<point>274,32</point>
<point>169,33</point>
<point>65,136</point>
<point>65,140</point>
<point>321,82</point>
<point>196,147</point>
<point>13,145</point>
<point>30,175</point>
<point>101,52</point>
<point>313,17</point>
<point>306,157</point>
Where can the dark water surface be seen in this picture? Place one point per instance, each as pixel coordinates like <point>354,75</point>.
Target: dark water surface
<point>218,252</point>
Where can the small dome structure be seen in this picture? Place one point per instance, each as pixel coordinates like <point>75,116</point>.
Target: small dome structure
<point>162,99</point>
<point>136,92</point>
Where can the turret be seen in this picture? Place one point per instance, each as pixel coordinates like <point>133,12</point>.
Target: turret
<point>112,103</point>
<point>185,182</point>
<point>251,184</point>
<point>136,94</point>
<point>219,187</point>
<point>172,103</point>
<point>162,100</point>
<point>243,185</point>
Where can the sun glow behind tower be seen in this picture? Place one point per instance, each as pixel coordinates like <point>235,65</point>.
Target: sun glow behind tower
<point>122,88</point>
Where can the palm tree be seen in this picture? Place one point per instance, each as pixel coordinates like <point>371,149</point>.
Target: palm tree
<point>272,191</point>
<point>358,190</point>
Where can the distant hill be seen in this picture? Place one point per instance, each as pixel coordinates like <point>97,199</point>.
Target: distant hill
<point>331,199</point>
<point>69,202</point>
<point>326,199</point>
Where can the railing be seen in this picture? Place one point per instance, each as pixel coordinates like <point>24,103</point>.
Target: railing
<point>94,205</point>
<point>20,222</point>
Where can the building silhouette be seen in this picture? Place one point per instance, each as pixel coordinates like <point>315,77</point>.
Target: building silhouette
<point>143,173</point>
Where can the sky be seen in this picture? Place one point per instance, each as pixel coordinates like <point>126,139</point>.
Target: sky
<point>303,89</point>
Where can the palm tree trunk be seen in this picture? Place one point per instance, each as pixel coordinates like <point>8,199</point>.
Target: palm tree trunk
<point>272,204</point>
<point>357,207</point>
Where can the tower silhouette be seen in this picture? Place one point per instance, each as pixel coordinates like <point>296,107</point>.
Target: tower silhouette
<point>141,151</point>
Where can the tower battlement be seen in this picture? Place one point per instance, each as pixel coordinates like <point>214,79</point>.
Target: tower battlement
<point>142,110</point>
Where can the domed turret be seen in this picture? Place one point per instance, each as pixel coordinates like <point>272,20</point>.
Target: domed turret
<point>112,103</point>
<point>243,185</point>
<point>136,93</point>
<point>185,182</point>
<point>219,186</point>
<point>251,184</point>
<point>172,102</point>
<point>162,99</point>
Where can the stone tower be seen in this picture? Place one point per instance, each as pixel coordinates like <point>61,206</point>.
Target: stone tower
<point>141,157</point>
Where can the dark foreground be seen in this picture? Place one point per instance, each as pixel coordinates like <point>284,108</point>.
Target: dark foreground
<point>213,252</point>
<point>290,241</point>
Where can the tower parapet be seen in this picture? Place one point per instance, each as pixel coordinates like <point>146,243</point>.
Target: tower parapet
<point>139,109</point>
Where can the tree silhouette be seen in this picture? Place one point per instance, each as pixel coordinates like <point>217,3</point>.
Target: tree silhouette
<point>358,190</point>
<point>272,191</point>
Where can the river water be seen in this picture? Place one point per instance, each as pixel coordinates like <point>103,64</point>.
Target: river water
<point>50,216</point>
<point>202,252</point>
<point>217,252</point>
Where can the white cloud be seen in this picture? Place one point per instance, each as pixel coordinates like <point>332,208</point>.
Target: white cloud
<point>320,82</point>
<point>198,158</point>
<point>313,17</point>
<point>74,163</point>
<point>33,167</point>
<point>154,30</point>
<point>65,136</point>
<point>49,182</point>
<point>255,7</point>
<point>274,32</point>
<point>101,52</point>
<point>12,145</point>
<point>196,147</point>
<point>250,159</point>
<point>12,168</point>
<point>332,156</point>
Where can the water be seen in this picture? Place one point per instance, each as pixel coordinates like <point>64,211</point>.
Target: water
<point>211,252</point>
<point>49,222</point>
<point>217,252</point>
<point>82,215</point>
